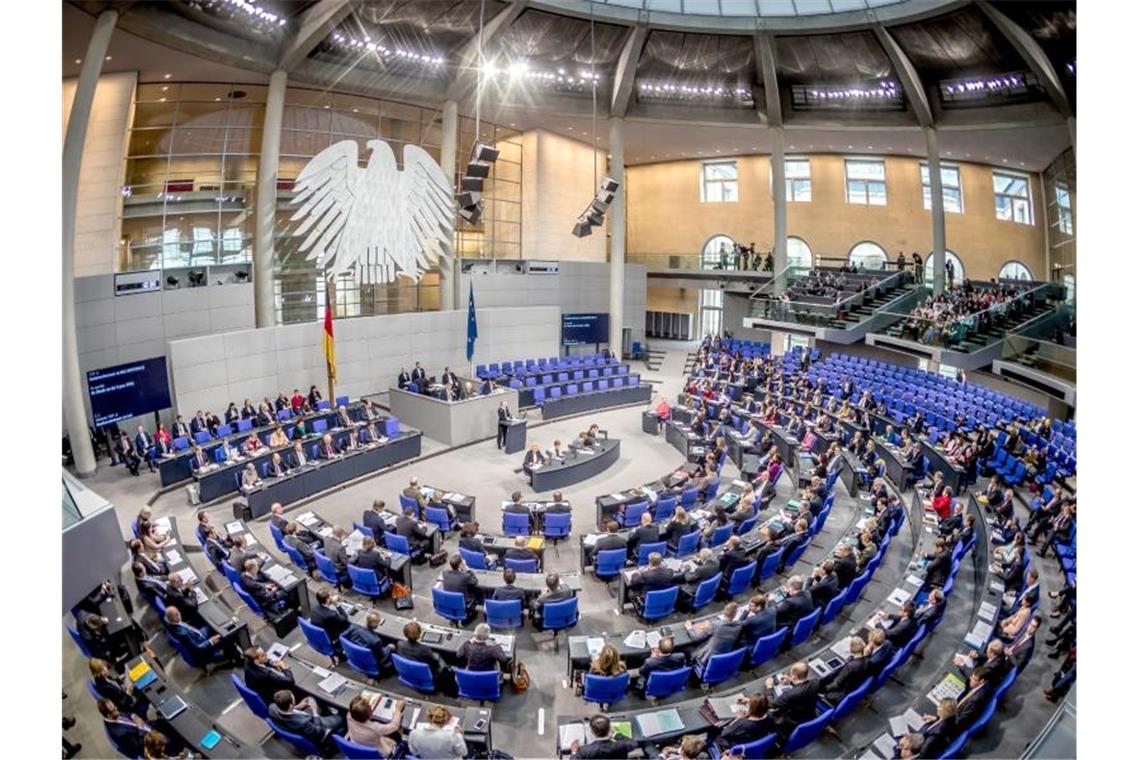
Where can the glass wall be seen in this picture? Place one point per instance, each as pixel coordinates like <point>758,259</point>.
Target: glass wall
<point>191,172</point>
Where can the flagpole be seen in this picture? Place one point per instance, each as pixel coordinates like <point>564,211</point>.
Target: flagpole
<point>330,300</point>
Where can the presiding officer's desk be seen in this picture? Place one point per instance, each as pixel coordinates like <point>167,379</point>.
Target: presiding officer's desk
<point>610,504</point>
<point>576,466</point>
<point>218,618</point>
<point>289,579</point>
<point>308,677</point>
<point>191,724</point>
<point>452,422</point>
<point>398,566</point>
<point>532,584</point>
<point>321,474</point>
<point>584,402</point>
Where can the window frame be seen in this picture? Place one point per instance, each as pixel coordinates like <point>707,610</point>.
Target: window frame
<point>960,276</point>
<point>1064,210</point>
<point>886,257</point>
<point>721,184</point>
<point>1015,262</point>
<point>1013,199</point>
<point>927,193</point>
<point>864,181</point>
<point>791,181</point>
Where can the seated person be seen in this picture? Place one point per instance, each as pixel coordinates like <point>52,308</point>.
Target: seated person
<point>250,480</point>
<point>509,590</point>
<point>207,648</point>
<point>534,458</point>
<point>118,689</point>
<point>692,747</point>
<point>293,540</point>
<point>932,609</point>
<point>181,594</point>
<point>797,704</point>
<point>304,718</point>
<point>752,726</point>
<point>298,457</point>
<point>679,526</point>
<point>459,579</point>
<point>722,634</point>
<point>555,592</point>
<point>251,445</point>
<point>900,626</point>
<point>604,743</point>
<point>940,730</point>
<point>521,551</point>
<point>411,529</point>
<point>369,557</point>
<point>277,438</point>
<point>411,649</point>
<point>846,568</point>
<point>368,637</point>
<point>336,551</point>
<point>327,614</point>
<point>266,677</point>
<point>823,585</point>
<point>558,505</point>
<point>328,448</point>
<point>607,662</point>
<point>367,731</point>
<point>653,577</point>
<point>661,658</point>
<point>732,557</point>
<point>127,733</point>
<point>264,591</point>
<point>847,677</point>
<point>696,571</point>
<point>760,620</point>
<point>878,651</point>
<point>797,602</point>
<point>373,519</point>
<point>482,653</point>
<point>469,540</point>
<point>435,738</point>
<point>612,539</point>
<point>972,702</point>
<point>645,533</point>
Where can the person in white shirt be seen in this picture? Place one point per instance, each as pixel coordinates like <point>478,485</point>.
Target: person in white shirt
<point>435,740</point>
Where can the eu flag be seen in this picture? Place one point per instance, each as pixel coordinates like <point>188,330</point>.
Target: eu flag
<point>472,328</point>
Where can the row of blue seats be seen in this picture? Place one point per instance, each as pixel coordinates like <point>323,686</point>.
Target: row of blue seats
<point>565,376</point>
<point>543,364</point>
<point>541,395</point>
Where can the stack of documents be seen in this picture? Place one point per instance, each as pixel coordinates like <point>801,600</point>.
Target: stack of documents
<point>333,683</point>
<point>569,733</point>
<point>979,635</point>
<point>187,575</point>
<point>661,722</point>
<point>636,639</point>
<point>907,722</point>
<point>173,557</point>
<point>885,745</point>
<point>898,597</point>
<point>951,686</point>
<point>307,519</point>
<point>987,611</point>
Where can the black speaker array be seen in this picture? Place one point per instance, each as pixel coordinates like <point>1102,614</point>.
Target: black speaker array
<point>469,199</point>
<point>595,213</point>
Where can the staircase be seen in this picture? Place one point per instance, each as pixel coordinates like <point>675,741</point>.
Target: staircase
<point>653,358</point>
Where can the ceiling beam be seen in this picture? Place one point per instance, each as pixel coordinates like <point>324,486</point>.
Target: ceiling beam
<point>908,75</point>
<point>313,25</point>
<point>626,73</point>
<point>764,46</point>
<point>1033,55</point>
<point>468,63</point>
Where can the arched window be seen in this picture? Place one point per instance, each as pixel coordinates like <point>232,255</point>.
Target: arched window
<point>799,254</point>
<point>954,262</point>
<point>1014,270</point>
<point>1069,282</point>
<point>717,253</point>
<point>868,255</point>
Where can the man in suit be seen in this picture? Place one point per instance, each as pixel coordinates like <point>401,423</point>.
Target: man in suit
<point>603,743</point>
<point>1020,650</point>
<point>558,505</point>
<point>722,633</point>
<point>215,548</point>
<point>144,444</point>
<point>304,718</point>
<point>760,620</point>
<point>847,677</point>
<point>555,592</point>
<point>695,573</point>
<point>277,467</point>
<point>823,585</point>
<point>797,704</point>
<point>181,595</point>
<point>458,579</point>
<point>520,551</point>
<point>257,584</point>
<point>298,457</point>
<point>448,377</point>
<point>732,557</point>
<point>972,702</point>
<point>239,554</point>
<point>654,577</point>
<point>198,459</point>
<point>198,424</point>
<point>181,430</point>
<point>367,637</point>
<point>612,539</point>
<point>328,448</point>
<point>403,379</point>
<point>932,609</point>
<point>419,375</point>
<point>508,590</point>
<point>373,518</point>
<point>534,458</point>
<point>265,677</point>
<point>336,551</point>
<point>938,566</point>
<point>127,732</point>
<point>292,539</point>
<point>995,661</point>
<point>797,539</point>
<point>899,627</point>
<point>661,658</point>
<point>504,414</point>
<point>410,528</point>
<point>327,615</point>
<point>645,533</point>
<point>150,586</point>
<point>480,653</point>
<point>207,648</point>
<point>845,565</point>
<point>416,494</point>
<point>796,604</point>
<point>369,558</point>
<point>411,649</point>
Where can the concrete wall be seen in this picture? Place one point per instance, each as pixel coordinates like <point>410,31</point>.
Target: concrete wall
<point>665,214</point>
<point>208,372</point>
<point>558,182</point>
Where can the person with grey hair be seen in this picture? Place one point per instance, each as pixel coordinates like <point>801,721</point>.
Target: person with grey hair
<point>796,604</point>
<point>654,577</point>
<point>480,652</point>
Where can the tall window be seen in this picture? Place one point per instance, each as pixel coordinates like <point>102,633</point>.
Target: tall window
<point>717,253</point>
<point>799,254</point>
<point>951,188</point>
<point>866,182</point>
<point>1069,283</point>
<point>868,255</point>
<point>718,182</point>
<point>1011,198</point>
<point>1014,270</point>
<point>955,265</point>
<point>797,177</point>
<point>1064,209</point>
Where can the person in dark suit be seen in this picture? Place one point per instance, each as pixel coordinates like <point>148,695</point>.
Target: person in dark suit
<point>327,615</point>
<point>374,518</point>
<point>722,634</point>
<point>469,541</point>
<point>755,725</point>
<point>336,551</point>
<point>661,658</point>
<point>534,457</point>
<point>995,661</point>
<point>198,459</point>
<point>207,648</point>
<point>654,577</point>
<point>412,649</point>
<point>304,718</point>
<point>932,609</point>
<point>612,539</point>
<point>678,527</point>
<point>558,505</point>
<point>798,703</point>
<point>127,733</point>
<point>1020,650</point>
<point>215,548</point>
<point>366,636</point>
<point>845,565</point>
<point>181,595</point>
<point>509,590</point>
<point>878,652</point>
<point>264,677</point>
<point>460,580</point>
<point>369,557</point>
<point>276,468</point>
<point>521,551</point>
<point>291,538</point>
<point>796,604</point>
<point>760,621</point>
<point>823,585</point>
<point>732,557</point>
<point>419,375</point>
<point>604,743</point>
<point>555,592</point>
<point>695,573</point>
<point>504,413</point>
<point>144,447</point>
<point>257,584</point>
<point>403,379</point>
<point>900,626</point>
<point>481,653</point>
<point>410,528</point>
<point>795,541</point>
<point>938,565</point>
<point>941,729</point>
<point>645,533</point>
<point>328,448</point>
<point>972,702</point>
<point>118,689</point>
<point>847,677</point>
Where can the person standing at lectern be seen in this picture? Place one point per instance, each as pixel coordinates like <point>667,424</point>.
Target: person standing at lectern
<point>504,420</point>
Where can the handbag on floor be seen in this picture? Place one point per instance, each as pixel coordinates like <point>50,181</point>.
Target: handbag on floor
<point>521,678</point>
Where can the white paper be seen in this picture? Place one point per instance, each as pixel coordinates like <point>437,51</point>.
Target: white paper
<point>885,745</point>
<point>234,527</point>
<point>594,645</point>
<point>986,611</point>
<point>898,596</point>
<point>571,732</point>
<point>173,557</point>
<point>652,638</point>
<point>636,639</point>
<point>319,671</point>
<point>187,575</point>
<point>307,519</point>
<point>914,580</point>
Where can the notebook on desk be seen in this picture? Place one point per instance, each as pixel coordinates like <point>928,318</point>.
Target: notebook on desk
<point>570,733</point>
<point>171,706</point>
<point>660,722</point>
<point>431,637</point>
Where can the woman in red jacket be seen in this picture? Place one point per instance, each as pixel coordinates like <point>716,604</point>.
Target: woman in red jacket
<point>941,504</point>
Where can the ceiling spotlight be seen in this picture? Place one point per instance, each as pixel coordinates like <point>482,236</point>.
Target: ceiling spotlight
<point>167,76</point>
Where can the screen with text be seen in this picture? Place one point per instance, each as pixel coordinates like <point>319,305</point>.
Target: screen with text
<point>128,390</point>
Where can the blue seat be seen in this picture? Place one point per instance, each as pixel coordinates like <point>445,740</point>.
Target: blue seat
<point>539,396</point>
<point>516,524</point>
<point>278,537</point>
<point>631,516</point>
<point>833,607</point>
<point>224,430</point>
<point>688,544</point>
<point>803,628</point>
<point>760,748</point>
<point>482,685</point>
<point>722,667</point>
<point>503,614</point>
<point>354,751</point>
<point>806,733</point>
<point>323,405</point>
<point>366,581</point>
<point>663,683</point>
<point>243,426</point>
<point>955,748</point>
<point>438,516</point>
<point>415,674</point>
<point>317,637</point>
<point>360,658</point>
<point>522,565</point>
<point>983,719</point>
<point>450,604</point>
<point>556,524</point>
<point>848,704</point>
<point>326,568</point>
<point>741,578</point>
<point>659,603</point>
<point>664,508</point>
<point>407,502</point>
<point>295,557</point>
<point>79,641</point>
<point>474,559</point>
<point>364,530</point>
<point>720,535</point>
<point>767,647</point>
<point>644,550</point>
<point>182,442</point>
<point>202,436</point>
<point>605,690</point>
<point>232,575</point>
<point>559,615</point>
<point>251,698</point>
<point>608,563</point>
<point>572,389</point>
<point>706,591</point>
<point>689,497</point>
<point>303,744</point>
<point>400,545</point>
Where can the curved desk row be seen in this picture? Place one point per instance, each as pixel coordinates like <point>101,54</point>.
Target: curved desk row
<point>575,467</point>
<point>585,402</point>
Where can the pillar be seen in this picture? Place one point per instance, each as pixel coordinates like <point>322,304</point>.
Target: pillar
<point>74,412</point>
<point>937,210</point>
<point>266,214</point>
<point>779,203</point>
<point>617,234</point>
<point>449,269</point>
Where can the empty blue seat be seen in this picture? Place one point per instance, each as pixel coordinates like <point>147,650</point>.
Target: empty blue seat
<point>366,581</point>
<point>663,683</point>
<point>450,604</point>
<point>803,628</point>
<point>354,751</point>
<point>572,389</point>
<point>303,744</point>
<point>706,591</point>
<point>400,545</point>
<point>688,544</point>
<point>631,516</point>
<point>475,560</point>
<point>556,524</point>
<point>317,637</point>
<point>522,565</point>
<point>361,659</point>
<point>605,690</point>
<point>252,700</point>
<point>516,524</point>
<point>482,685</point>
<point>741,578</point>
<point>608,563</point>
<point>664,508</point>
<point>503,614</point>
<point>720,535</point>
<point>806,733</point>
<point>326,568</point>
<point>848,704</point>
<point>559,615</point>
<point>438,516</point>
<point>644,550</point>
<point>415,674</point>
<point>761,748</point>
<point>658,604</point>
<point>721,667</point>
<point>767,647</point>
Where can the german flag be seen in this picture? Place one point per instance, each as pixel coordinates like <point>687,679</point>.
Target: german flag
<point>330,343</point>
